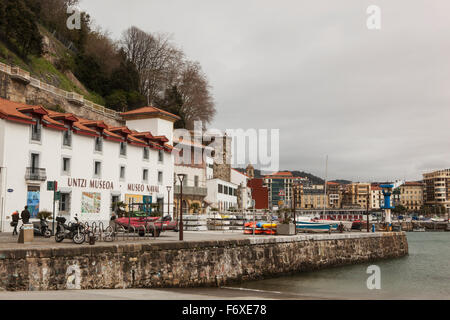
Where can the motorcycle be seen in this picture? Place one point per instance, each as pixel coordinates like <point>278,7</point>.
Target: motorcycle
<point>75,231</point>
<point>43,229</point>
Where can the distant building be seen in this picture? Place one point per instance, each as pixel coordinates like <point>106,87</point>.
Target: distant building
<point>437,188</point>
<point>411,195</point>
<point>259,192</point>
<point>280,188</point>
<point>376,197</point>
<point>244,193</point>
<point>313,198</point>
<point>334,194</point>
<point>356,195</point>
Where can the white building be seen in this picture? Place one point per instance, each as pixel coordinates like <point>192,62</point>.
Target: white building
<point>191,161</point>
<point>244,193</point>
<point>94,164</point>
<point>222,195</point>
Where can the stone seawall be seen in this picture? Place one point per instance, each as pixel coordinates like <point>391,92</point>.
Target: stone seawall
<point>189,264</point>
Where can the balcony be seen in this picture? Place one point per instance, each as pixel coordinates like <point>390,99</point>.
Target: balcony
<point>21,75</point>
<point>192,191</point>
<point>36,174</point>
<point>75,98</point>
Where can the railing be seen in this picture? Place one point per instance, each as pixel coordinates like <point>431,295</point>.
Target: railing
<point>36,174</point>
<point>75,97</point>
<point>195,191</point>
<point>71,96</point>
<point>19,73</point>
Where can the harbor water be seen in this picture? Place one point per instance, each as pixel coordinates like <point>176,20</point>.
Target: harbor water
<point>423,274</point>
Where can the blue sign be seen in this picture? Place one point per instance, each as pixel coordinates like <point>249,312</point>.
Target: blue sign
<point>10,190</point>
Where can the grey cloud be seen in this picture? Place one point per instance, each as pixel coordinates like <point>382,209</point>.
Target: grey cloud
<point>375,101</point>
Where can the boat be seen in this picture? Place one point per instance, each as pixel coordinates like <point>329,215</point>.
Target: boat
<point>419,229</point>
<point>316,226</point>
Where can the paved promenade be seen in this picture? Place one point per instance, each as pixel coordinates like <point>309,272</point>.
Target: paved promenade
<point>7,241</point>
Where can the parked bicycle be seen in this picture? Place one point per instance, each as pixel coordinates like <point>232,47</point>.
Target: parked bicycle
<point>75,231</point>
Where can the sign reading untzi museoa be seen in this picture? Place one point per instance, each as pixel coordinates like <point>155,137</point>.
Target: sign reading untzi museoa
<point>93,184</point>
<point>108,185</point>
<point>139,187</point>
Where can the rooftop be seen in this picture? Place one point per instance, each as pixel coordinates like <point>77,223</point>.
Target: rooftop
<point>20,112</point>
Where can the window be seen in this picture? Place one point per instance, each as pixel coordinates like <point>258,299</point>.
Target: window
<point>145,174</point>
<point>98,144</point>
<point>34,163</point>
<point>97,168</point>
<point>66,165</point>
<point>160,155</point>
<point>230,191</point>
<point>195,181</point>
<point>146,153</point>
<point>64,203</point>
<point>225,190</point>
<point>123,148</point>
<point>36,130</point>
<point>220,188</point>
<point>122,172</point>
<point>160,177</point>
<point>67,138</point>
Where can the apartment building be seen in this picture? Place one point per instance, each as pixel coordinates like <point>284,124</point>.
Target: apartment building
<point>411,195</point>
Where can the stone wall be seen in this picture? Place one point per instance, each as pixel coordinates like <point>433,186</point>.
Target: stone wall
<point>19,91</point>
<point>187,264</point>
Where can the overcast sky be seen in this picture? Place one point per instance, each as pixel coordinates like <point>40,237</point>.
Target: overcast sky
<point>376,101</point>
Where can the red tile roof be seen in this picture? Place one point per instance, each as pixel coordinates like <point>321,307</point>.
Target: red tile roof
<point>150,110</point>
<point>14,111</point>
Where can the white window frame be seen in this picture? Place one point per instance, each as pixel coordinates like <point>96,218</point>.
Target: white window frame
<point>66,172</point>
<point>100,174</point>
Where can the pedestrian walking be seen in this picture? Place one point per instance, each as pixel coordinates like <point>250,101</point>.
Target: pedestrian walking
<point>25,215</point>
<point>15,221</point>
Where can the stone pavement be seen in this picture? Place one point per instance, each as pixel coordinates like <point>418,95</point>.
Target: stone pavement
<point>7,241</point>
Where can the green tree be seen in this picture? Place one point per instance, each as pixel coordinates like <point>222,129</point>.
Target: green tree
<point>117,100</point>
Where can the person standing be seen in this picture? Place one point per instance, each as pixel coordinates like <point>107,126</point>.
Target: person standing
<point>15,221</point>
<point>25,215</point>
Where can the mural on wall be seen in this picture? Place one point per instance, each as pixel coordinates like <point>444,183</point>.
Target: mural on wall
<point>144,202</point>
<point>33,203</point>
<point>90,202</point>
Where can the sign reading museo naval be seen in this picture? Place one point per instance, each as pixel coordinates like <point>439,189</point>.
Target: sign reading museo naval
<point>108,185</point>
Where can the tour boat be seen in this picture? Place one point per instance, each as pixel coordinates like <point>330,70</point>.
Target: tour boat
<point>316,226</point>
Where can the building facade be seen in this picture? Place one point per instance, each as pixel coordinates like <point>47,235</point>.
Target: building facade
<point>192,165</point>
<point>280,188</point>
<point>437,188</point>
<point>356,195</point>
<point>411,195</point>
<point>94,165</point>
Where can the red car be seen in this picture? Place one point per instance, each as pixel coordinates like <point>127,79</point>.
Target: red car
<point>139,223</point>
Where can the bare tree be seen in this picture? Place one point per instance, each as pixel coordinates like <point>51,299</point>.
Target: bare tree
<point>155,58</point>
<point>198,104</point>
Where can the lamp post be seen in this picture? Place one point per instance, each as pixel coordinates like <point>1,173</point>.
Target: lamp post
<point>168,204</point>
<point>168,199</point>
<point>295,205</point>
<point>180,226</point>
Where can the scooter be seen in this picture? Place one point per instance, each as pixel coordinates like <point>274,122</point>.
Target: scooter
<point>75,231</point>
<point>43,229</point>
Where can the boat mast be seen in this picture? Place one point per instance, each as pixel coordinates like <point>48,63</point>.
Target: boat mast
<point>325,188</point>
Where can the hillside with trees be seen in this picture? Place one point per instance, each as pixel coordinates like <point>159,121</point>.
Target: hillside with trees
<point>138,69</point>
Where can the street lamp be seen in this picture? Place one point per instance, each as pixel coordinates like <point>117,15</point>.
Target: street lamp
<point>168,205</point>
<point>180,226</point>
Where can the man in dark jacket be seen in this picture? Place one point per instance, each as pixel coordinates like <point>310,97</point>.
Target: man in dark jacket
<point>25,215</point>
